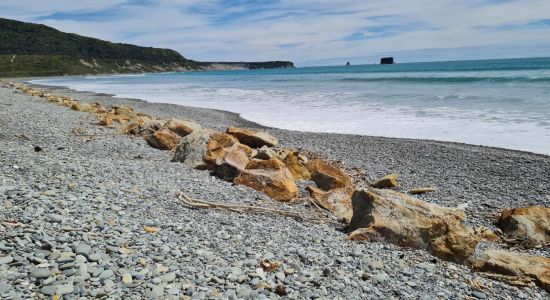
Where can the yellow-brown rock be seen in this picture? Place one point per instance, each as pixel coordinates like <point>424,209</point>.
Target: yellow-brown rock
<point>270,177</point>
<point>457,244</point>
<point>269,164</point>
<point>337,201</point>
<point>327,177</point>
<point>97,108</point>
<point>216,147</point>
<point>536,268</point>
<point>296,166</point>
<point>252,138</point>
<point>181,127</point>
<point>163,139</point>
<point>274,183</point>
<point>106,120</point>
<point>397,218</point>
<point>529,224</point>
<point>232,163</point>
<point>141,126</point>
<point>207,149</point>
<point>388,181</point>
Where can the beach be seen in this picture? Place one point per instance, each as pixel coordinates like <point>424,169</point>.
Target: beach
<point>84,199</point>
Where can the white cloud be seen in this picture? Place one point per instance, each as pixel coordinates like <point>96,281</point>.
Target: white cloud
<point>298,30</point>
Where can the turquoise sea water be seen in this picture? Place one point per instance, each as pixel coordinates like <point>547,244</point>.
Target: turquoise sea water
<point>503,103</point>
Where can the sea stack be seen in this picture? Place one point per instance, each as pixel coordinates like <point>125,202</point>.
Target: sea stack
<point>387,61</point>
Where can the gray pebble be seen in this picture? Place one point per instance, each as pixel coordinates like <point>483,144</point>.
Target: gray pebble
<point>40,273</point>
<point>479,295</point>
<point>5,260</point>
<point>65,289</point>
<point>5,287</point>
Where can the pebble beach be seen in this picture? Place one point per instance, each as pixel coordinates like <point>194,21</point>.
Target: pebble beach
<point>90,213</point>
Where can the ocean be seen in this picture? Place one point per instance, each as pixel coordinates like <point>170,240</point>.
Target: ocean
<point>503,103</point>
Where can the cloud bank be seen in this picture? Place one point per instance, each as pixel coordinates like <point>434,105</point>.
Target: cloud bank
<point>306,31</point>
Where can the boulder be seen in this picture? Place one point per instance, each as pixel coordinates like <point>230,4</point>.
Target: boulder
<point>388,181</point>
<point>327,177</point>
<point>232,163</point>
<point>181,127</point>
<point>192,149</point>
<point>521,266</point>
<point>163,139</point>
<point>218,145</point>
<point>252,138</point>
<point>397,218</point>
<point>337,201</point>
<point>270,177</point>
<point>207,149</point>
<point>297,166</point>
<point>529,224</point>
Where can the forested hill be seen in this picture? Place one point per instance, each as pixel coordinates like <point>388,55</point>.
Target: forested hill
<point>28,49</point>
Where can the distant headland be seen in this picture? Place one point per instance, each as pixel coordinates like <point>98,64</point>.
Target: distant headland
<point>29,49</point>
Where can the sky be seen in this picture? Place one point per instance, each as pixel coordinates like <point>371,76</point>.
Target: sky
<point>307,32</point>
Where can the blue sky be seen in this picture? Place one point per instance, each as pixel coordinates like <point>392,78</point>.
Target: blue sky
<point>308,32</point>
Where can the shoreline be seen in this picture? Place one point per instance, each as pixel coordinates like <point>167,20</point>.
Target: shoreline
<point>489,175</point>
<point>91,190</point>
<point>258,125</point>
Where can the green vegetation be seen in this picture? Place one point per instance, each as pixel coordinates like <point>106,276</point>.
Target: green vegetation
<point>56,65</point>
<point>28,49</point>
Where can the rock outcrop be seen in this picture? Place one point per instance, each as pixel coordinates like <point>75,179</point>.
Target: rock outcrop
<point>528,224</point>
<point>521,267</point>
<point>251,138</point>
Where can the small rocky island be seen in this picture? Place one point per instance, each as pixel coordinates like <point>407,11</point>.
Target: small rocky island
<point>387,61</point>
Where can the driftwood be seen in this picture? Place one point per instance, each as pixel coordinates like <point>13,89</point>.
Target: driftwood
<point>197,203</point>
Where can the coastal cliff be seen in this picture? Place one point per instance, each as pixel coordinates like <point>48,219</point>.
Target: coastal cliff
<point>29,49</point>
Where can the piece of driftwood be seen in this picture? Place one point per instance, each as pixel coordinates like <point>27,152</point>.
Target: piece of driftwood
<point>197,203</point>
